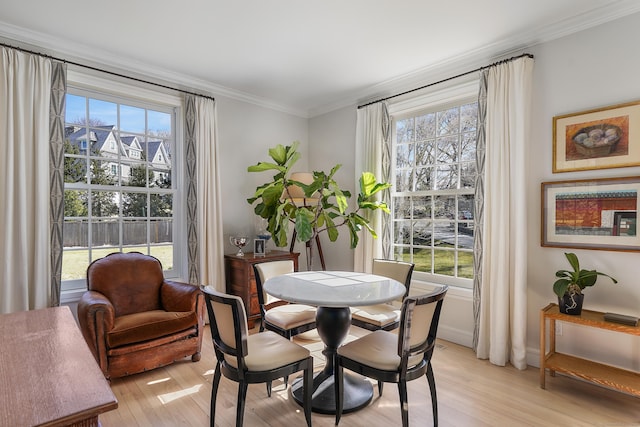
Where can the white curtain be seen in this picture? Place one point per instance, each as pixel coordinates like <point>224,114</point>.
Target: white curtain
<point>209,197</point>
<point>502,322</point>
<point>373,154</point>
<point>25,265</point>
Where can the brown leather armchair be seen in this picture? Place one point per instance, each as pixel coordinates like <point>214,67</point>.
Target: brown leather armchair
<point>134,320</point>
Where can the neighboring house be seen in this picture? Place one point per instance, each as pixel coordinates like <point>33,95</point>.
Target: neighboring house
<point>132,147</point>
<point>126,151</point>
<point>159,159</point>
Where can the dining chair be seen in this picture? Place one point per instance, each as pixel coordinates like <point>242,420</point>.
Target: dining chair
<point>384,316</point>
<point>250,359</point>
<point>396,358</point>
<point>277,315</point>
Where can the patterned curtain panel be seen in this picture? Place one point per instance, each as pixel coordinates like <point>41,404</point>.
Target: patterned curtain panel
<point>25,253</point>
<point>373,154</point>
<point>209,196</point>
<point>192,201</point>
<point>56,171</point>
<point>204,213</point>
<point>479,203</point>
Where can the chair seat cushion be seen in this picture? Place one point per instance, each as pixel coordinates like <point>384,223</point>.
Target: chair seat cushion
<point>380,314</point>
<point>291,316</point>
<point>149,325</point>
<point>378,350</point>
<point>268,350</point>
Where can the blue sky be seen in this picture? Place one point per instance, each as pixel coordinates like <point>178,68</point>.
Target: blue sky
<point>132,119</point>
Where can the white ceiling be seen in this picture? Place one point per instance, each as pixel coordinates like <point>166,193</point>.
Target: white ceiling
<point>299,56</point>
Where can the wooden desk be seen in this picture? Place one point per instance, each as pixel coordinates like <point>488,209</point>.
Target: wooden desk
<point>598,373</point>
<point>49,376</point>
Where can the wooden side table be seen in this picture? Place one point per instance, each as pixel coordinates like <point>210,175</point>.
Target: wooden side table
<point>240,280</point>
<point>598,373</point>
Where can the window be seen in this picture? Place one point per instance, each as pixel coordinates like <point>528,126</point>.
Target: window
<point>115,198</point>
<point>434,170</point>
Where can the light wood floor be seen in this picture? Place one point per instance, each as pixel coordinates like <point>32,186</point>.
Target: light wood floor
<point>471,392</point>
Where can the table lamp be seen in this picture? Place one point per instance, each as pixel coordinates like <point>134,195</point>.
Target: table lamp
<point>296,194</point>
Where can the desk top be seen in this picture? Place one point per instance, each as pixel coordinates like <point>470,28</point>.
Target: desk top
<point>334,288</point>
<point>48,374</point>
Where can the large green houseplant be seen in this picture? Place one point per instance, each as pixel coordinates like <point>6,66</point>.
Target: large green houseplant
<point>570,284</point>
<point>325,205</point>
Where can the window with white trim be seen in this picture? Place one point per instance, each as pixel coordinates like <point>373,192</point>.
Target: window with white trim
<point>434,172</point>
<point>116,198</point>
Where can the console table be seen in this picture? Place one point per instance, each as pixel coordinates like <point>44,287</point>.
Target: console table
<point>598,373</point>
<point>49,376</point>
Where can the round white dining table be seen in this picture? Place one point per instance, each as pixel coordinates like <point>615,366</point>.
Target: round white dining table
<point>334,292</point>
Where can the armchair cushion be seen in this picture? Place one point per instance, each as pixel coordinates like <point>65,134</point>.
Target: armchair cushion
<point>149,325</point>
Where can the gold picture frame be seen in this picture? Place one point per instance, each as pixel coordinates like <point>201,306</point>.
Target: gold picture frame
<point>601,138</point>
<point>591,214</point>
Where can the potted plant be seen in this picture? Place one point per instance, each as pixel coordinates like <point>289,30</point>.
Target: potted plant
<point>320,206</point>
<point>570,284</point>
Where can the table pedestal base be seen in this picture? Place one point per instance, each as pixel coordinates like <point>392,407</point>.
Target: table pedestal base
<point>358,392</point>
<point>333,326</point>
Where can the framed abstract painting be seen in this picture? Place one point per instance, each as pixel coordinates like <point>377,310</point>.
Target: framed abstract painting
<point>591,214</point>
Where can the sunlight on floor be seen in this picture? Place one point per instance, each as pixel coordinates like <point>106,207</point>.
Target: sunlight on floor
<point>159,381</point>
<point>170,397</point>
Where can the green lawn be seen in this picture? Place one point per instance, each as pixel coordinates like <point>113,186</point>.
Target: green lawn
<point>76,261</point>
<point>444,262</point>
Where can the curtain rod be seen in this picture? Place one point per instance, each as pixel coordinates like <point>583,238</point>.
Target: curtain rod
<point>105,71</point>
<point>447,79</point>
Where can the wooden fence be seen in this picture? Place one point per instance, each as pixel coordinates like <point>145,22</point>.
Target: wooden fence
<point>107,233</point>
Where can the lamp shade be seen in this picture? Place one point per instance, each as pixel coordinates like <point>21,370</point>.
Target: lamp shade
<point>296,194</point>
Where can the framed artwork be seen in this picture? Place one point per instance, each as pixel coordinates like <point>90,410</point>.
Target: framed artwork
<point>259,247</point>
<point>597,139</point>
<point>591,214</point>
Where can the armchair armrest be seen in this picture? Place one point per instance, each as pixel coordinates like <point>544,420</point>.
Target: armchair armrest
<point>178,296</point>
<point>96,316</point>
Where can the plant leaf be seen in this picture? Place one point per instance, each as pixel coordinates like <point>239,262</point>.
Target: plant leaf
<point>265,166</point>
<point>279,154</point>
<point>304,227</point>
<point>560,287</point>
<point>573,261</point>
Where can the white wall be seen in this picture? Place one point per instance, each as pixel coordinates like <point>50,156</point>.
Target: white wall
<point>333,135</point>
<point>593,68</point>
<point>245,134</point>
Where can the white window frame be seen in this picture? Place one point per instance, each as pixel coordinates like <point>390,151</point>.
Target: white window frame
<point>87,82</point>
<point>459,94</point>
